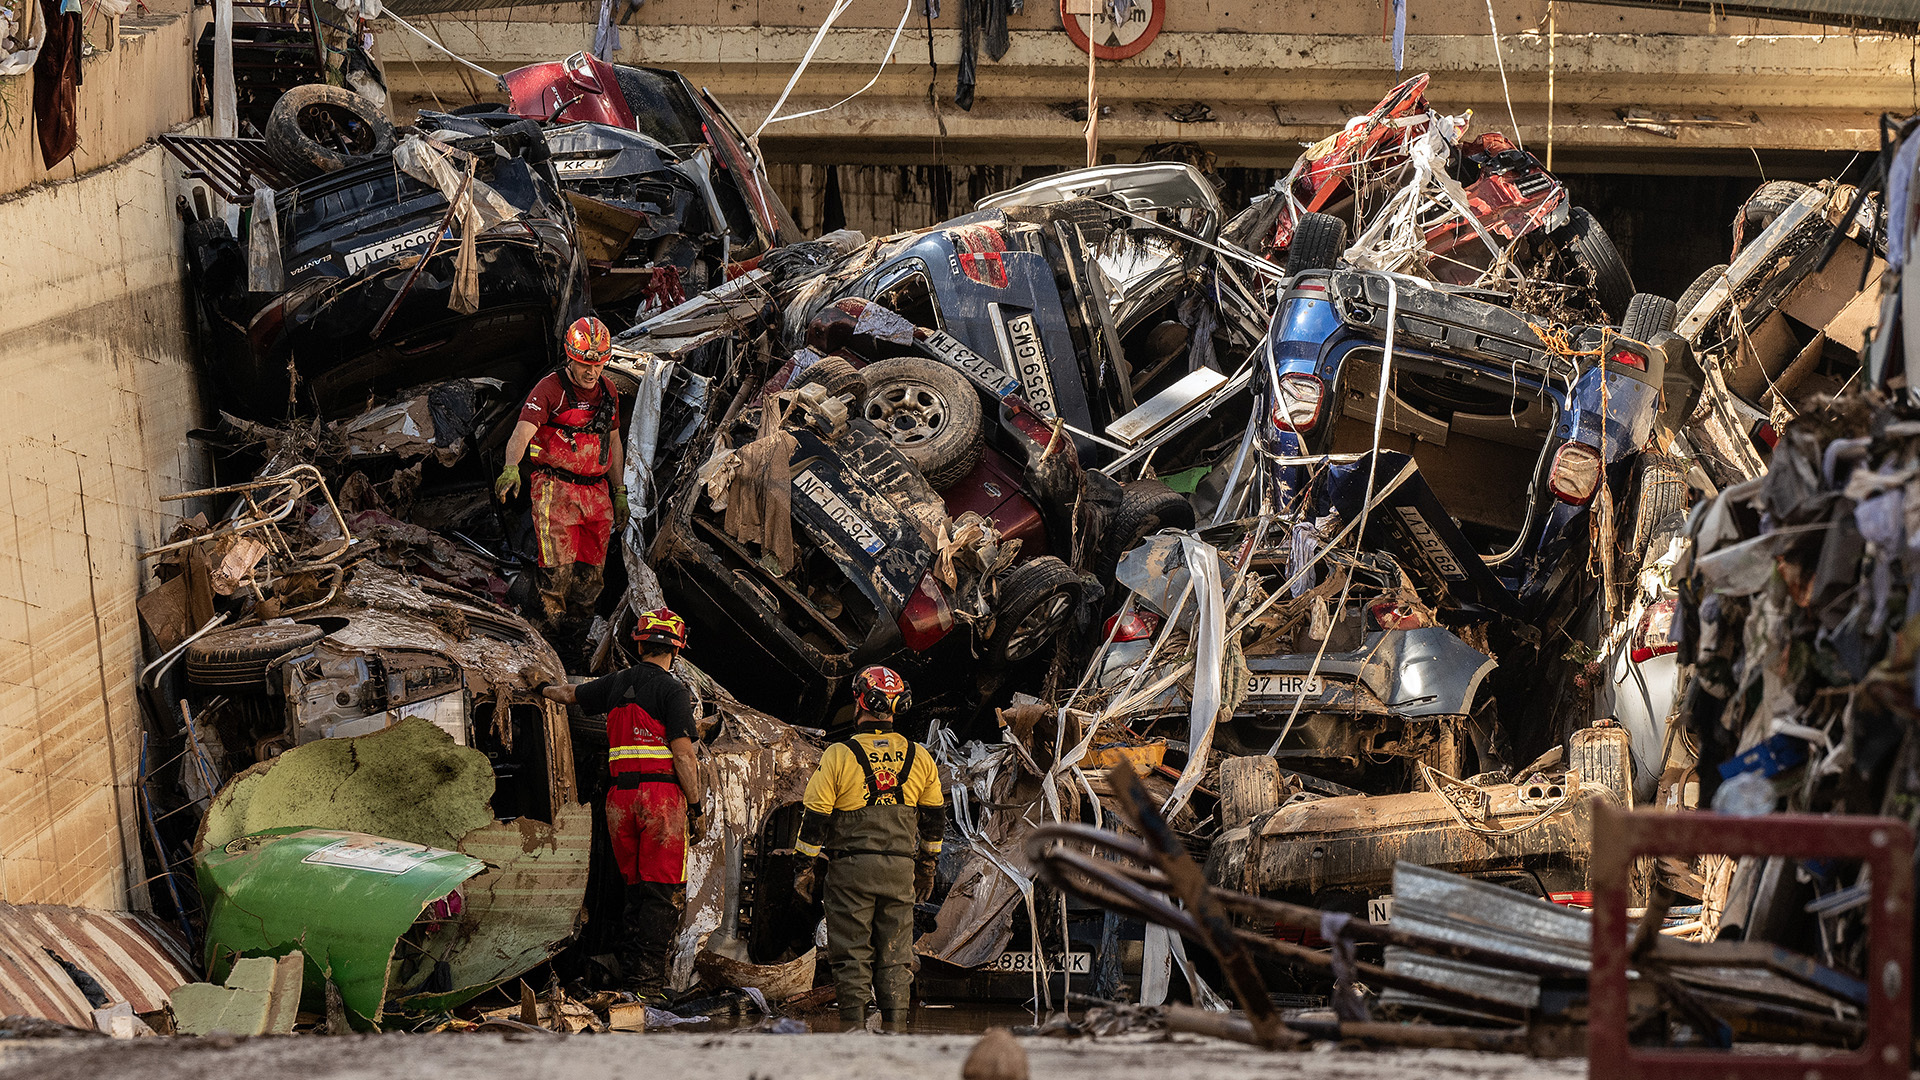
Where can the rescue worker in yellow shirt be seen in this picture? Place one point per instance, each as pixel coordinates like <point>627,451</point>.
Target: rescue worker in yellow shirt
<point>873,821</point>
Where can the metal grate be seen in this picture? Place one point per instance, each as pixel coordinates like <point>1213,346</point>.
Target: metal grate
<point>231,167</point>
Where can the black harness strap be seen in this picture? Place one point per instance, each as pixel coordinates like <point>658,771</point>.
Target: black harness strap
<point>599,422</point>
<point>899,788</point>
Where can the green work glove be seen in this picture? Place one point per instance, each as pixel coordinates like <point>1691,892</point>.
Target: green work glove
<point>508,485</point>
<point>619,504</point>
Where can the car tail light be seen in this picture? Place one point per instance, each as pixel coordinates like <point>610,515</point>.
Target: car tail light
<point>927,617</point>
<point>984,268</point>
<point>1394,615</point>
<point>1627,357</point>
<point>1576,473</point>
<point>1298,409</point>
<point>1028,421</point>
<point>1137,626</point>
<point>1654,636</point>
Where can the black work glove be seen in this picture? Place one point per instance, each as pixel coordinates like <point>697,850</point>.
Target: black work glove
<point>696,822</point>
<point>923,879</point>
<point>807,882</point>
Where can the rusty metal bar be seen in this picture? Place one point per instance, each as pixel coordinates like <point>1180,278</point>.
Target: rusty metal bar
<point>1189,884</point>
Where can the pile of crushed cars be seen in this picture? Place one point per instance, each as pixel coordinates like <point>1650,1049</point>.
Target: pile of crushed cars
<point>1337,551</point>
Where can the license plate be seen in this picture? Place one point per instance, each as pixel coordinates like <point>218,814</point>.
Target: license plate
<point>373,253</point>
<point>1431,546</point>
<point>1285,685</point>
<point>1077,963</point>
<point>575,166</point>
<point>1030,364</point>
<point>850,521</point>
<point>976,367</point>
<point>1380,909</point>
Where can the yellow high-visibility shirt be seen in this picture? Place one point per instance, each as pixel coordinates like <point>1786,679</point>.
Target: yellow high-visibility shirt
<point>841,784</point>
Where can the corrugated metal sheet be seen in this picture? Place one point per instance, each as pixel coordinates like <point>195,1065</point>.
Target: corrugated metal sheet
<point>136,959</point>
<point>1901,16</point>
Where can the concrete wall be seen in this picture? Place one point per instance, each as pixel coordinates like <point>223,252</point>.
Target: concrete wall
<point>138,83</point>
<point>1271,74</point>
<point>98,390</point>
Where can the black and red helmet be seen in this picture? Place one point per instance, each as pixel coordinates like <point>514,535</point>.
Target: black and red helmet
<point>881,691</point>
<point>662,627</point>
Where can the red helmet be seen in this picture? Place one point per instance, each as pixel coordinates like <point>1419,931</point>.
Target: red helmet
<point>588,341</point>
<point>661,626</point>
<point>881,691</point>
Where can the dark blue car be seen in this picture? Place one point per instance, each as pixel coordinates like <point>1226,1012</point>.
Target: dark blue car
<point>1514,426</point>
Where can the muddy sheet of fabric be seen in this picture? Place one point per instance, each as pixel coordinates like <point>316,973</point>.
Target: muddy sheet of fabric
<point>760,498</point>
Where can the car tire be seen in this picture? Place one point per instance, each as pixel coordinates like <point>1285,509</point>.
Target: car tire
<point>1249,787</point>
<point>239,657</point>
<point>1648,315</point>
<point>838,376</point>
<point>1592,248</point>
<point>1698,289</point>
<point>1761,208</point>
<point>1036,603</point>
<point>1146,507</point>
<point>317,128</point>
<point>1448,751</point>
<point>1660,506</point>
<point>1318,241</point>
<point>525,140</point>
<point>929,412</point>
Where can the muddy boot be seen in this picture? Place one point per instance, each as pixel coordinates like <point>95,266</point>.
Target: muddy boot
<point>643,959</point>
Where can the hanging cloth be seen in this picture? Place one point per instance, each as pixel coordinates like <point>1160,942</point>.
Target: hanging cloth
<point>972,16</point>
<point>56,78</point>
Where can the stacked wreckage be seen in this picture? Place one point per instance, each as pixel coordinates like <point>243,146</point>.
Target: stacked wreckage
<point>1299,599</point>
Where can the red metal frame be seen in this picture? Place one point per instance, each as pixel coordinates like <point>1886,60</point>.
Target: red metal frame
<point>1884,844</point>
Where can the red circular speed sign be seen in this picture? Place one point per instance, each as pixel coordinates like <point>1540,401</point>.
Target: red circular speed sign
<point>1093,19</point>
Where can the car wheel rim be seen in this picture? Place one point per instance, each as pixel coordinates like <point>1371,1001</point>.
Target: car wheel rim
<point>909,413</point>
<point>336,128</point>
<point>1040,624</point>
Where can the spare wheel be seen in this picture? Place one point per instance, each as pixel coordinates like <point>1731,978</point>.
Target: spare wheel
<point>929,412</point>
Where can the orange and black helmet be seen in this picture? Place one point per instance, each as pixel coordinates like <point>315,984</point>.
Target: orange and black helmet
<point>881,691</point>
<point>662,627</point>
<point>588,342</point>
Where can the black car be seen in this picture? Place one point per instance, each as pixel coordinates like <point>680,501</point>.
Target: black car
<point>862,588</point>
<point>357,317</point>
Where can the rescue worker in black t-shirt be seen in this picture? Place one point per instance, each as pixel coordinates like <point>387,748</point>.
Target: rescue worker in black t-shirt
<point>873,822</point>
<point>655,801</point>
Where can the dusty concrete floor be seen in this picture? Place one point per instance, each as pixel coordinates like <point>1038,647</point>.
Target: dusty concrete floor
<point>726,1057</point>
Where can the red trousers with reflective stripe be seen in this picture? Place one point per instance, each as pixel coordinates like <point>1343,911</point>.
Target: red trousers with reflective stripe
<point>572,522</point>
<point>648,826</point>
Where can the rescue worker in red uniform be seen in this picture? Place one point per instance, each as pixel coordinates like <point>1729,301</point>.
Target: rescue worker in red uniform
<point>655,803</point>
<point>874,816</point>
<point>569,434</point>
